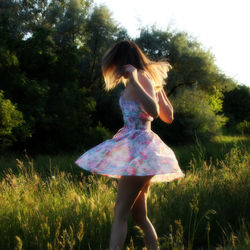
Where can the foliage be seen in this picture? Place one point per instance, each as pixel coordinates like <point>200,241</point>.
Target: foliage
<point>68,20</point>
<point>195,84</point>
<point>101,31</point>
<point>243,127</point>
<point>196,114</point>
<point>216,100</point>
<point>10,119</point>
<point>46,67</point>
<point>50,67</point>
<point>192,65</point>
<point>236,105</point>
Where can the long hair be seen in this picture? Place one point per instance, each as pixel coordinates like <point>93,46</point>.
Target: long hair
<point>128,52</point>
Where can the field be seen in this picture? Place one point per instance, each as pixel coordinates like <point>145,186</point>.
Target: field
<point>49,203</point>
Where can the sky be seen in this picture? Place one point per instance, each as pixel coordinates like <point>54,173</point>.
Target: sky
<point>222,26</point>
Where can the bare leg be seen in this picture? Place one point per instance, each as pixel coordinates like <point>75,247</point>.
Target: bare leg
<point>129,188</point>
<point>139,213</point>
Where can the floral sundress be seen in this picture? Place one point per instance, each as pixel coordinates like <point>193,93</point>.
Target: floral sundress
<point>135,150</point>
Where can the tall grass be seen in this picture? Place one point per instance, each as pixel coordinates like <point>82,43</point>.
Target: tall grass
<point>61,210</point>
<point>214,149</point>
<point>211,203</point>
<point>56,212</point>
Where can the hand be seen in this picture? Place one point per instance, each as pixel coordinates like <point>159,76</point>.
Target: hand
<point>129,70</point>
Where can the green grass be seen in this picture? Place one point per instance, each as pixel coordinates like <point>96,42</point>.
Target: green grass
<point>214,149</point>
<point>48,203</point>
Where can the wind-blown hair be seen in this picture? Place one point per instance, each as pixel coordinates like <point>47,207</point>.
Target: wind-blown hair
<point>128,52</point>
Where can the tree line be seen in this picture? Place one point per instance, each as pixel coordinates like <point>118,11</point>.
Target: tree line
<point>51,87</point>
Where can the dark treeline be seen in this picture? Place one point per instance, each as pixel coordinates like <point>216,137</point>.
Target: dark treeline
<point>51,86</point>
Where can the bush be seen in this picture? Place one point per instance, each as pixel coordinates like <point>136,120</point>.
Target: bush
<point>236,105</point>
<point>196,113</point>
<point>243,127</point>
<point>94,136</point>
<point>10,118</point>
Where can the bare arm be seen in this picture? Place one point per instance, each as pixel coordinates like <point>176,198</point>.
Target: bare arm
<point>166,109</point>
<point>144,91</point>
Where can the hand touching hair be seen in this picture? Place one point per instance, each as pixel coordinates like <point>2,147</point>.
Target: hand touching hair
<point>128,52</point>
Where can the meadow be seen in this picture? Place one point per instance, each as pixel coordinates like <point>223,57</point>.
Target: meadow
<point>49,203</point>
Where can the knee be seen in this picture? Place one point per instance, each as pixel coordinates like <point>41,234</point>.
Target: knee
<point>138,217</point>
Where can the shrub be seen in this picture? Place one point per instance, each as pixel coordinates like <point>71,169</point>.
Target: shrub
<point>10,118</point>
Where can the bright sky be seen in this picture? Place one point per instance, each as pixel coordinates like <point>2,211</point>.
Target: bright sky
<point>220,25</point>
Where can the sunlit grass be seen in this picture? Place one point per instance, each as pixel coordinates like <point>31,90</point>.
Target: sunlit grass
<point>44,205</point>
<point>53,211</point>
<point>230,138</point>
<point>215,149</point>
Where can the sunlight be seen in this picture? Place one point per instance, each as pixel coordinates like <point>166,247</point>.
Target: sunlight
<point>219,25</point>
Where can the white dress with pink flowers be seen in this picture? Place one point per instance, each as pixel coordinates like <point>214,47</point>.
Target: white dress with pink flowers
<point>135,150</point>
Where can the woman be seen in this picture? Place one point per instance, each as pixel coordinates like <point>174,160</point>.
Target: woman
<point>135,154</point>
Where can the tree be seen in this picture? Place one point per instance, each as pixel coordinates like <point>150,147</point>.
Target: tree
<point>67,18</point>
<point>195,83</point>
<point>101,32</point>
<point>192,65</point>
<point>50,67</point>
<point>236,105</point>
<point>42,72</point>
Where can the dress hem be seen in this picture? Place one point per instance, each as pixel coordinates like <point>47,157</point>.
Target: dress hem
<point>161,177</point>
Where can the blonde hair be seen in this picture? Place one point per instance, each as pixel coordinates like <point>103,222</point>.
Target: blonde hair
<point>128,52</point>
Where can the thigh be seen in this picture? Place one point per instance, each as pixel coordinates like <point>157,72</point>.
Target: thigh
<point>139,208</point>
<point>129,188</point>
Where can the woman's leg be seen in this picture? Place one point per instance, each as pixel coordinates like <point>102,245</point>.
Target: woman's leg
<point>129,188</point>
<point>139,214</point>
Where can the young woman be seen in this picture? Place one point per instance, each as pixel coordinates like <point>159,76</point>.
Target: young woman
<point>135,155</point>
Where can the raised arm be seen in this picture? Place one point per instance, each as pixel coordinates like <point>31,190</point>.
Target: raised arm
<point>144,91</point>
<point>166,110</point>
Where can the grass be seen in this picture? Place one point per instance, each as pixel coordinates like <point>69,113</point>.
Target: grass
<point>211,200</point>
<point>47,203</point>
<point>214,149</point>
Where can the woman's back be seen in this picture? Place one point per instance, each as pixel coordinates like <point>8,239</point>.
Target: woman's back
<point>134,116</point>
